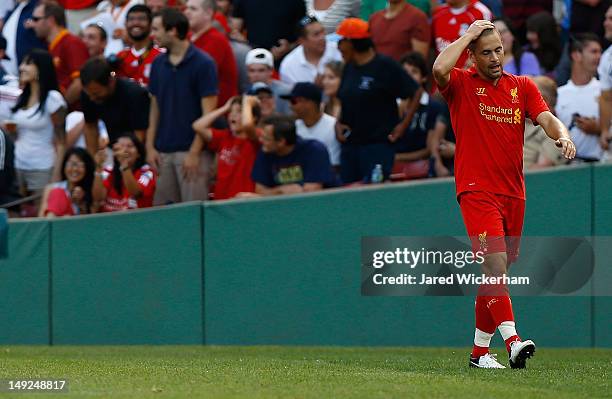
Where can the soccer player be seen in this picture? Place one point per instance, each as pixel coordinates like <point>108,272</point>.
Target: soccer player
<point>488,109</point>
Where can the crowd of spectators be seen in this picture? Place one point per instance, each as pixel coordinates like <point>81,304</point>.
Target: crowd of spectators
<point>122,104</point>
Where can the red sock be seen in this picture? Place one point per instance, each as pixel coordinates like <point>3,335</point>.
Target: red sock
<point>501,312</point>
<point>485,328</point>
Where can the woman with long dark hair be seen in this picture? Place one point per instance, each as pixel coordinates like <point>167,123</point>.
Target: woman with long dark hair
<point>38,121</point>
<point>130,184</point>
<point>517,61</point>
<point>72,195</point>
<point>544,40</point>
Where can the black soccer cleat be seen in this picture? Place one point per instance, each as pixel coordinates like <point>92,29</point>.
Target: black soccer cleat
<point>520,351</point>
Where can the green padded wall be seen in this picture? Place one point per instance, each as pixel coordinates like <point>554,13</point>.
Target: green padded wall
<point>24,283</point>
<point>286,271</point>
<point>558,204</point>
<point>129,278</point>
<point>602,306</point>
<point>294,262</point>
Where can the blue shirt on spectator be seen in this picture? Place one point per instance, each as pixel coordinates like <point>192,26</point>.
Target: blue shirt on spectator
<point>179,90</point>
<point>307,163</point>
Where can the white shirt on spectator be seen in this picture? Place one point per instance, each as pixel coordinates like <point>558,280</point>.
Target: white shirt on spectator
<point>324,132</point>
<point>34,148</point>
<point>583,100</point>
<point>605,70</point>
<point>295,68</point>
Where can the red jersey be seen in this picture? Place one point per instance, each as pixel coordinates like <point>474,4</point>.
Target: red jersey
<point>146,178</point>
<point>489,124</point>
<point>69,54</point>
<point>218,47</point>
<point>235,159</point>
<point>449,24</point>
<point>136,64</point>
<point>77,4</point>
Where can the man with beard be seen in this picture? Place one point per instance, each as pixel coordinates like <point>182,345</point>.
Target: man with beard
<point>135,62</point>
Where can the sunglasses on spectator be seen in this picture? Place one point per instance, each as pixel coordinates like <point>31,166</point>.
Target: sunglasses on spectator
<point>307,20</point>
<point>293,100</point>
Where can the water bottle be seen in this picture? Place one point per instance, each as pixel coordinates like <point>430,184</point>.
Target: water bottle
<point>377,174</point>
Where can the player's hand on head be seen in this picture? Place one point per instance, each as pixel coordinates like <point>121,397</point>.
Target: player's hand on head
<point>478,26</point>
<point>568,149</point>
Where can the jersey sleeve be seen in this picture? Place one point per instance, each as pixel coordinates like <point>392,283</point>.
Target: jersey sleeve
<point>534,103</point>
<point>58,203</point>
<point>107,179</point>
<point>453,86</point>
<point>147,181</point>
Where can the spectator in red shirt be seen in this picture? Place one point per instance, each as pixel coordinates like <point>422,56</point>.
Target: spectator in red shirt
<point>72,195</point>
<point>236,147</point>
<point>452,20</point>
<point>68,51</point>
<point>94,37</point>
<point>135,62</point>
<point>130,184</point>
<point>399,29</point>
<point>204,36</point>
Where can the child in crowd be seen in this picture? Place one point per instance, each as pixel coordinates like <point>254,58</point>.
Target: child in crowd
<point>236,147</point>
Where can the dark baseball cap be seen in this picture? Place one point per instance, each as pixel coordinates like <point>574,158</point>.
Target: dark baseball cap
<point>306,90</point>
<point>3,47</point>
<point>258,87</point>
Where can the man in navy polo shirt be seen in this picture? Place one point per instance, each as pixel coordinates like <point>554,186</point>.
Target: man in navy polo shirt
<point>287,164</point>
<point>183,84</point>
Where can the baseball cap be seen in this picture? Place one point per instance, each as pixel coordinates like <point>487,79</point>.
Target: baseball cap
<point>260,56</point>
<point>353,28</point>
<point>3,47</point>
<point>258,87</point>
<point>306,90</point>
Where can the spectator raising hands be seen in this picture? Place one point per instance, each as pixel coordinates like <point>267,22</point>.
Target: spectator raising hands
<point>130,183</point>
<point>236,147</point>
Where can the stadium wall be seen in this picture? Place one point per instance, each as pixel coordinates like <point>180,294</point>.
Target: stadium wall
<point>280,271</point>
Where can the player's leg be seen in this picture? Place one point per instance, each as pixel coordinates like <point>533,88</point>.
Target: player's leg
<point>484,224</point>
<point>518,351</point>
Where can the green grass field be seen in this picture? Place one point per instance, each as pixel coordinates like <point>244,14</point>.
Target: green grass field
<point>304,372</point>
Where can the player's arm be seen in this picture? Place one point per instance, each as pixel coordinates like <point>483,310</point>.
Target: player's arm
<point>605,115</point>
<point>447,59</point>
<point>557,131</point>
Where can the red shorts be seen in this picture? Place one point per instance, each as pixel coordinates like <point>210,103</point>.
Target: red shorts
<point>494,222</point>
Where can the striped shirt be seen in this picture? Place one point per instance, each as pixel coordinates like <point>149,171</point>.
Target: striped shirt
<point>338,11</point>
